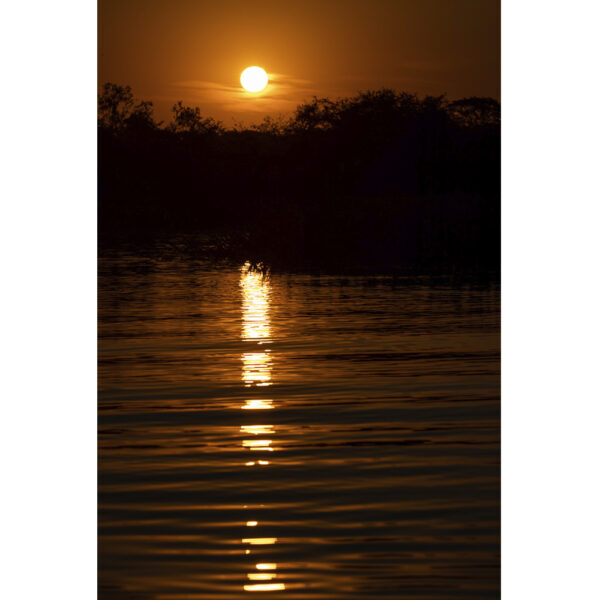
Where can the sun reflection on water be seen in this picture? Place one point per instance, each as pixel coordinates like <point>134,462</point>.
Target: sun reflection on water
<point>259,541</point>
<point>255,303</point>
<point>258,404</point>
<point>265,587</point>
<point>256,327</point>
<point>261,576</point>
<point>257,367</point>
<point>258,429</point>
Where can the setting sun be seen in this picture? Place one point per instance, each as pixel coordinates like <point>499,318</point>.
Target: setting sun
<point>254,79</point>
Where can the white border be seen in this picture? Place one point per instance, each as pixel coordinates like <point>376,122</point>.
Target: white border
<point>48,311</point>
<point>550,299</point>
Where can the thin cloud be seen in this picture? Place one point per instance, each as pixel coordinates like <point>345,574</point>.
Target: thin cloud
<point>283,93</point>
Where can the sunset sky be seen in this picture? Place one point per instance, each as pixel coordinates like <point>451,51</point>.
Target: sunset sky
<point>195,50</point>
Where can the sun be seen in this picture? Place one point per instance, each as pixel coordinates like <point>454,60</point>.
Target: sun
<point>254,79</point>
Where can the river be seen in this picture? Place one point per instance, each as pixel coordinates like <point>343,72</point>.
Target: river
<point>295,436</point>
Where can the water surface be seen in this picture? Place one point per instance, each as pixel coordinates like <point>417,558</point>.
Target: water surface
<point>295,436</point>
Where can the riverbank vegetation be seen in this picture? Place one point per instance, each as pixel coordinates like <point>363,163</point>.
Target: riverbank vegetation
<point>380,181</point>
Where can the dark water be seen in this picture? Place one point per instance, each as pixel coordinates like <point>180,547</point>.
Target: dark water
<point>295,436</point>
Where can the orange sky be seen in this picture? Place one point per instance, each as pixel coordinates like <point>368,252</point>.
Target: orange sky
<point>195,50</point>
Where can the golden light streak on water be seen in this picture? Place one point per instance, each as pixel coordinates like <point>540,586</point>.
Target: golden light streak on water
<point>253,444</point>
<point>257,366</point>
<point>264,587</point>
<point>255,305</point>
<point>258,429</point>
<point>258,405</point>
<point>257,370</point>
<point>261,576</point>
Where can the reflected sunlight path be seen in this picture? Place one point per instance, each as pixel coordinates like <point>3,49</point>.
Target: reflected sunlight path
<point>257,367</point>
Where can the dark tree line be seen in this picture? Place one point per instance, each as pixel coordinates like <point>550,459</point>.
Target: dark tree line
<point>380,180</point>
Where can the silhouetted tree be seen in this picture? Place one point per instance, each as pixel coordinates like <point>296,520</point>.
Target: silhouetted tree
<point>320,113</point>
<point>187,119</point>
<point>114,105</point>
<point>475,112</point>
<point>117,109</point>
<point>141,117</point>
<point>271,126</point>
